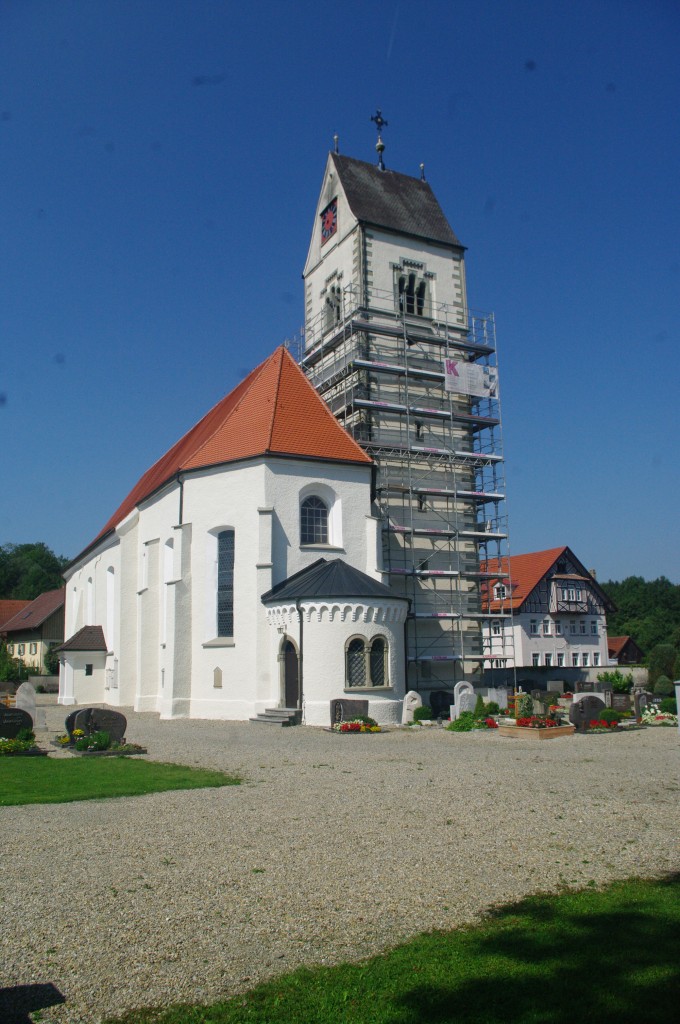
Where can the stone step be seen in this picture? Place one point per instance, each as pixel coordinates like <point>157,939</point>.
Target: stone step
<point>277,716</point>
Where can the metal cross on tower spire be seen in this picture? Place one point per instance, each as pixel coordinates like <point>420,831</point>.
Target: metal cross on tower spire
<point>380,123</point>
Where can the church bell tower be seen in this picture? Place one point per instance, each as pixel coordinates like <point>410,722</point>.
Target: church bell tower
<point>410,372</point>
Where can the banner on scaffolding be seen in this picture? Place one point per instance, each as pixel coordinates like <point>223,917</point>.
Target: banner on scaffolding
<point>466,378</point>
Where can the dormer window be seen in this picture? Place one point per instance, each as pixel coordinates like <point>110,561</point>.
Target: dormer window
<point>500,592</point>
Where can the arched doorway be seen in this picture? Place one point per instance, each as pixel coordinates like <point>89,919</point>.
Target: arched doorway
<point>291,674</point>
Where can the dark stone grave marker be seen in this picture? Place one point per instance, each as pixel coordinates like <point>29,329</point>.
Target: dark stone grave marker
<point>621,702</point>
<point>440,702</point>
<point>583,712</point>
<point>346,710</point>
<point>12,721</point>
<point>641,702</point>
<point>585,687</point>
<point>92,720</point>
<point>70,723</point>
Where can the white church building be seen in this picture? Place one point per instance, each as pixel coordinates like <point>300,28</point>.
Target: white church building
<point>241,573</point>
<point>320,533</point>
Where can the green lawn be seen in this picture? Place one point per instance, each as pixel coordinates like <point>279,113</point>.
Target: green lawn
<point>46,780</point>
<point>591,957</point>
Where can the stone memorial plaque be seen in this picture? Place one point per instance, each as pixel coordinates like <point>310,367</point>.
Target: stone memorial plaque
<point>346,710</point>
<point>440,701</point>
<point>584,711</point>
<point>412,700</point>
<point>621,702</point>
<point>12,721</point>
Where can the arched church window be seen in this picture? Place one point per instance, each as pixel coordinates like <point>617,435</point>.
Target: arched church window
<point>313,521</point>
<point>356,662</point>
<point>378,661</point>
<point>225,583</point>
<point>366,663</point>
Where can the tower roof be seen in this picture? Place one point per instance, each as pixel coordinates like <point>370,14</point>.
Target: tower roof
<point>274,411</point>
<point>393,201</point>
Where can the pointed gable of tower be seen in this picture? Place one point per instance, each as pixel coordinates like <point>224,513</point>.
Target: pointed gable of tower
<point>355,192</point>
<point>274,411</point>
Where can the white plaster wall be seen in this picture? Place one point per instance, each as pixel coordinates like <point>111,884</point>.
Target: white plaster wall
<point>288,482</point>
<point>385,251</point>
<point>326,628</point>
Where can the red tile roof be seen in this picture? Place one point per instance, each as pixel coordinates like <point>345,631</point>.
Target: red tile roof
<point>9,608</point>
<point>36,611</point>
<point>526,571</point>
<point>274,411</point>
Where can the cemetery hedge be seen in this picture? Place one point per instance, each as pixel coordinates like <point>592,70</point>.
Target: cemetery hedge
<point>599,956</point>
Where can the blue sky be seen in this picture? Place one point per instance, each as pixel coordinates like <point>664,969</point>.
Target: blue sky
<point>161,162</point>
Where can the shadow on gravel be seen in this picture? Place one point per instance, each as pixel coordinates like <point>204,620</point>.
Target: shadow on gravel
<point>17,1002</point>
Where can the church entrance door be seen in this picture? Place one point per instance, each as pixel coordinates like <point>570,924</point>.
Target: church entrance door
<point>291,675</point>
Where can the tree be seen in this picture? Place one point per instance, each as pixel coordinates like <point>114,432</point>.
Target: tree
<point>27,570</point>
<point>661,661</point>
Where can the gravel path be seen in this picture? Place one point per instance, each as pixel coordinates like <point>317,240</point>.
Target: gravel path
<point>334,848</point>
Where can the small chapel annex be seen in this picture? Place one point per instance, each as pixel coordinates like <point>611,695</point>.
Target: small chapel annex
<point>242,571</point>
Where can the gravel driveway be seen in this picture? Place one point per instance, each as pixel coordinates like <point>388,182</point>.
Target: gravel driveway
<point>334,848</point>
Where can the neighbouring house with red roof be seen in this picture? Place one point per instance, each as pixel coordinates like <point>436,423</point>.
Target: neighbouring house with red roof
<point>35,627</point>
<point>624,651</point>
<point>241,572</point>
<point>546,610</point>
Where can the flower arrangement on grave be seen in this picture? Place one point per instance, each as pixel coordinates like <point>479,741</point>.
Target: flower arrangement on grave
<point>651,716</point>
<point>23,743</point>
<point>98,742</point>
<point>536,722</point>
<point>361,724</point>
<point>467,721</point>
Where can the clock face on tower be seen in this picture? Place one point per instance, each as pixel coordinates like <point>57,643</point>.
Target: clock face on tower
<point>329,221</point>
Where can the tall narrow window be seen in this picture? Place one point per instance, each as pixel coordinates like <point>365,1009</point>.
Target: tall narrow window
<point>313,521</point>
<point>356,662</point>
<point>225,583</point>
<point>377,661</point>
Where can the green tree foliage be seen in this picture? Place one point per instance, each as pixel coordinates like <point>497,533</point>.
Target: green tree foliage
<point>661,661</point>
<point>28,570</point>
<point>649,611</point>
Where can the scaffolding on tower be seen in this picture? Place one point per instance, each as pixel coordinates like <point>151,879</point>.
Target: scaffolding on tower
<point>417,386</point>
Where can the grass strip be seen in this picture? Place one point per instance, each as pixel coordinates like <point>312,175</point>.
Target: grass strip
<point>45,780</point>
<point>594,956</point>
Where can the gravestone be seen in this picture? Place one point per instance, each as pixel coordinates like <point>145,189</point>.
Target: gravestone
<point>25,699</point>
<point>12,721</point>
<point>467,702</point>
<point>70,723</point>
<point>92,720</point>
<point>640,702</point>
<point>345,710</point>
<point>459,689</point>
<point>584,687</point>
<point>585,710</point>
<point>499,694</point>
<point>440,702</point>
<point>621,702</point>
<point>412,700</point>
